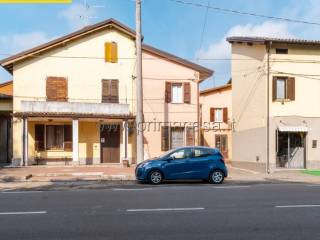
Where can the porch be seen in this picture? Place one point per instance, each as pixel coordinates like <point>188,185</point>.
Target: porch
<point>56,133</point>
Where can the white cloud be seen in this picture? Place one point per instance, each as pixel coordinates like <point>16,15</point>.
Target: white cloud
<point>221,48</point>
<point>14,43</point>
<point>76,13</point>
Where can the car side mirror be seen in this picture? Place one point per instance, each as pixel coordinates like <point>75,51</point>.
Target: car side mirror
<point>169,159</point>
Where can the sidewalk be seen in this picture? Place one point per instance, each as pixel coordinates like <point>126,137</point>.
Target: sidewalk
<point>99,176</point>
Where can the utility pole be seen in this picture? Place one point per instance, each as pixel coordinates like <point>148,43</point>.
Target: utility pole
<point>139,90</point>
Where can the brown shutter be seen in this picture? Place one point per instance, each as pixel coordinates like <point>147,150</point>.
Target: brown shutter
<point>190,136</point>
<point>187,93</point>
<point>114,91</point>
<point>225,115</point>
<point>274,88</point>
<point>57,89</point>
<point>168,92</point>
<point>291,88</point>
<point>164,138</point>
<point>39,137</point>
<point>212,115</point>
<point>106,91</point>
<point>67,137</point>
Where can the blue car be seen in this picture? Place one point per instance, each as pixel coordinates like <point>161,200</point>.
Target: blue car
<point>184,163</point>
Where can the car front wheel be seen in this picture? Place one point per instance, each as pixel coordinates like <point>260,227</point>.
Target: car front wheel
<point>155,177</point>
<point>216,177</point>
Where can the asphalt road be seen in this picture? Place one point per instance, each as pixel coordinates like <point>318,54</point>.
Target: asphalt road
<point>173,211</point>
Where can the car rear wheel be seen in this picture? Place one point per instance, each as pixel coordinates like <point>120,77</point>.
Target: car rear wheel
<point>155,177</point>
<point>216,177</point>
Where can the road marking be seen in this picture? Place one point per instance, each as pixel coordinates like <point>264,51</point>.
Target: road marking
<point>131,189</point>
<point>232,187</point>
<point>298,206</point>
<point>313,185</point>
<point>22,213</point>
<point>20,192</point>
<point>164,209</point>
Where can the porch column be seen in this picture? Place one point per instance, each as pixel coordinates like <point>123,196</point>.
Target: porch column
<point>126,139</point>
<point>75,140</point>
<point>24,142</point>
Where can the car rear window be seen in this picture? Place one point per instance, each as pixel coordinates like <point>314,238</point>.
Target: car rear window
<point>203,152</point>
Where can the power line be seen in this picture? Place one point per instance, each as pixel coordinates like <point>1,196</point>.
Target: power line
<point>226,10</point>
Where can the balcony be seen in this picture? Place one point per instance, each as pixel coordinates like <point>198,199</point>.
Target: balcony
<point>74,108</point>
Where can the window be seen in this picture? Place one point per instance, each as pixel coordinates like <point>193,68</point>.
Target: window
<point>57,89</point>
<point>203,152</point>
<point>110,91</point>
<point>53,137</point>
<point>177,94</point>
<point>283,88</point>
<point>218,115</point>
<point>111,52</point>
<point>182,153</point>
<point>177,137</point>
<point>281,51</point>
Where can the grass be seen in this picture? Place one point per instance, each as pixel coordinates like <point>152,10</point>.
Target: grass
<point>312,172</point>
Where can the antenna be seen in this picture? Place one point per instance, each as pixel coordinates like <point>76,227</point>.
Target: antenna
<point>86,14</point>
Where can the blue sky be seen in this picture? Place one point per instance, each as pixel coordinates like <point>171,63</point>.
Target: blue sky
<point>167,25</point>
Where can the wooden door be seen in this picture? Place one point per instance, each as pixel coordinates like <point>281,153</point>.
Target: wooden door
<point>222,144</point>
<point>110,143</point>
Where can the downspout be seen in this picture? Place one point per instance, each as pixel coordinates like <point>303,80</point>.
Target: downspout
<point>268,107</point>
<point>198,114</point>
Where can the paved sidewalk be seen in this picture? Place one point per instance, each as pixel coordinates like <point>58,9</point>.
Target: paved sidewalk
<point>100,176</point>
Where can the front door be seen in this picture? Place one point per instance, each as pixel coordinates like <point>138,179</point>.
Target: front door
<point>222,144</point>
<point>291,150</point>
<point>110,143</point>
<point>178,167</point>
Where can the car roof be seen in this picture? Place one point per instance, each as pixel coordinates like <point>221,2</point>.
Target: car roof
<point>193,147</point>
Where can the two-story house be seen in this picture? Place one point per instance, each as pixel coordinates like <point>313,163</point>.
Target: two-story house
<point>216,118</point>
<point>275,84</point>
<point>74,97</point>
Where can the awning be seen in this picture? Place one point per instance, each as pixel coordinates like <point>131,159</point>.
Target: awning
<point>288,128</point>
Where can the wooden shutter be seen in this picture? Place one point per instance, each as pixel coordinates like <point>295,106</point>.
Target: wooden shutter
<point>114,52</point>
<point>187,93</point>
<point>114,91</point>
<point>67,137</point>
<point>106,91</point>
<point>111,52</point>
<point>57,89</point>
<point>168,92</point>
<point>190,136</point>
<point>212,117</point>
<point>164,138</point>
<point>274,88</point>
<point>225,115</point>
<point>291,88</point>
<point>39,137</point>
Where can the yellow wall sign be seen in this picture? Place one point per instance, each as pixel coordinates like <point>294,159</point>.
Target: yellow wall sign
<point>35,1</point>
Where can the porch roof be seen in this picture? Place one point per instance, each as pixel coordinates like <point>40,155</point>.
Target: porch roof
<point>72,115</point>
<point>288,128</point>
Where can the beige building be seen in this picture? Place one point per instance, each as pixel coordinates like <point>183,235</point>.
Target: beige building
<point>216,118</point>
<point>275,84</point>
<point>74,98</point>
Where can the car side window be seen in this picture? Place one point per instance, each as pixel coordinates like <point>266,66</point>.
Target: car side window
<point>202,152</point>
<point>182,153</point>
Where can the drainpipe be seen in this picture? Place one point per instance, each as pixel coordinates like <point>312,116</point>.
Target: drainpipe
<point>268,107</point>
<point>198,114</point>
